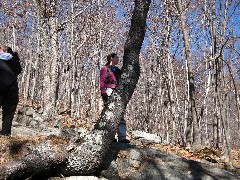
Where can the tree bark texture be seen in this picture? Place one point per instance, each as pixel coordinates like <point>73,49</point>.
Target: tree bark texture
<point>40,159</point>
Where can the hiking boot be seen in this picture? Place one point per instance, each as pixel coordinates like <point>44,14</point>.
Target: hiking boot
<point>124,141</point>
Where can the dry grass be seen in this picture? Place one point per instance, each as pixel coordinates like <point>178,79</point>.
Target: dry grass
<point>16,147</point>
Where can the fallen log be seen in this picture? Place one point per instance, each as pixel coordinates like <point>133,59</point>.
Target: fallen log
<point>39,159</point>
<point>81,155</point>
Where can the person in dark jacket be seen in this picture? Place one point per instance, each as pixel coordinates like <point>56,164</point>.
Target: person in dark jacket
<point>109,78</point>
<point>14,63</point>
<point>9,98</point>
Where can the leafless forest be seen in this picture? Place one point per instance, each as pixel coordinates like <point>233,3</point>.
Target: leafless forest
<point>189,87</point>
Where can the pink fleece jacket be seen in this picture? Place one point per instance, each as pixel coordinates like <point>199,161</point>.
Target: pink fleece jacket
<point>103,79</point>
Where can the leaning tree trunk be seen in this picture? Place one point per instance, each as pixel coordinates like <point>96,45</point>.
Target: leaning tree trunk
<point>88,156</point>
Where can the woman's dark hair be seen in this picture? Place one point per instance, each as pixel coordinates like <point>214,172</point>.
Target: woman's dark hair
<point>9,50</point>
<point>112,55</point>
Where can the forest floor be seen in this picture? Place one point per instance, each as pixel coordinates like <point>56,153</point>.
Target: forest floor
<point>12,148</point>
<point>15,146</point>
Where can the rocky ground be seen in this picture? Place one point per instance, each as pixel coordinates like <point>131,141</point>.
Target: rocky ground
<point>141,159</point>
<point>144,158</point>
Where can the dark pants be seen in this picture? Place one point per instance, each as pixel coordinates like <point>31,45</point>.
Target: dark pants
<point>8,102</point>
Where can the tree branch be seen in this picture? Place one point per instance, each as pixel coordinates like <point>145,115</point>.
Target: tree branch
<point>62,25</point>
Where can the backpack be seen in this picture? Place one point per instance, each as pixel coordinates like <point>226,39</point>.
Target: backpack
<point>7,76</point>
<point>14,64</point>
<point>117,73</point>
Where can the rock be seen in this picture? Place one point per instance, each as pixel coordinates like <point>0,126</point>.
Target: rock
<point>23,119</point>
<point>111,173</point>
<point>146,136</point>
<point>51,131</point>
<point>136,155</point>
<point>58,123</point>
<point>122,161</point>
<point>33,123</point>
<point>84,178</point>
<point>24,131</point>
<point>146,163</point>
<point>40,110</point>
<point>39,119</point>
<point>30,112</point>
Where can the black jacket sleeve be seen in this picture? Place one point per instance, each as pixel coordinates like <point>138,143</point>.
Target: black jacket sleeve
<point>7,76</point>
<point>14,64</point>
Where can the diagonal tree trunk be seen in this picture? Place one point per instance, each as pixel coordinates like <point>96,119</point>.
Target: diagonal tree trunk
<point>96,145</point>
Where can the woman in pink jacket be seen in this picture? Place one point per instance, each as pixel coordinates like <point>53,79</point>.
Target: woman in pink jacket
<point>109,78</point>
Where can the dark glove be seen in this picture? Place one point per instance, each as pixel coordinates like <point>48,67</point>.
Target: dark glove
<point>105,96</point>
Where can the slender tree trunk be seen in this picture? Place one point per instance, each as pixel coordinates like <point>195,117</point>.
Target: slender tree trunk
<point>204,109</point>
<point>170,80</point>
<point>28,72</point>
<point>224,107</point>
<point>192,115</point>
<point>236,95</point>
<point>73,59</point>
<point>226,131</point>
<point>35,77</point>
<point>216,75</point>
<point>53,61</point>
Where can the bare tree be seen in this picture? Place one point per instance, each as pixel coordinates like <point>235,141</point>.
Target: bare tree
<point>192,115</point>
